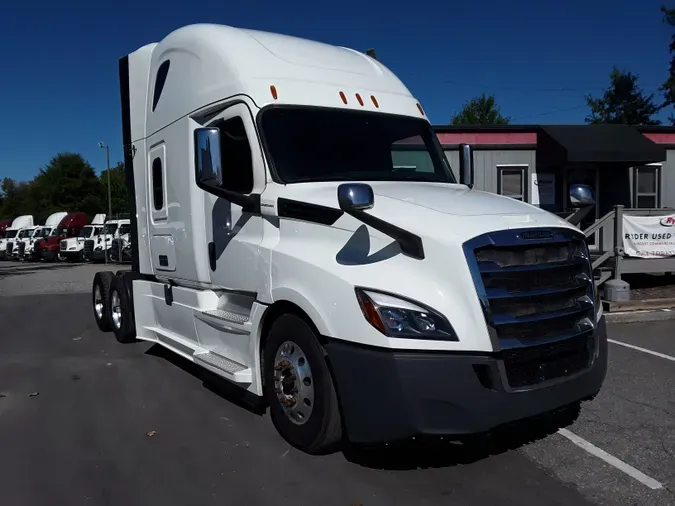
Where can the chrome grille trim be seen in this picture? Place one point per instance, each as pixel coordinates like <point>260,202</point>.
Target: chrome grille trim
<point>515,280</point>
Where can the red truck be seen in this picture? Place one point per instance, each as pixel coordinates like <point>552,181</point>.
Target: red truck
<point>69,226</point>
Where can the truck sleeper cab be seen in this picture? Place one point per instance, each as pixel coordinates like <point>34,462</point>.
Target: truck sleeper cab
<point>298,231</point>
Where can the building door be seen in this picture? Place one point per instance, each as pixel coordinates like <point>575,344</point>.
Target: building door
<point>590,177</point>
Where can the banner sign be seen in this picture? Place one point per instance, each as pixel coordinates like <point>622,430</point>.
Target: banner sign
<point>649,236</point>
<point>543,189</point>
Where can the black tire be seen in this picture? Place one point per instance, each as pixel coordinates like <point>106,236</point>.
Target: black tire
<point>102,282</point>
<point>321,431</point>
<point>125,332</point>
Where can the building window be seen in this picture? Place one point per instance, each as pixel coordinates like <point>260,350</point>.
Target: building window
<point>646,186</point>
<point>512,181</point>
<point>157,184</point>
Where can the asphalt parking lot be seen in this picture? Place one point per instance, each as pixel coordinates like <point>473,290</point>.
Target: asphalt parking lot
<point>85,420</point>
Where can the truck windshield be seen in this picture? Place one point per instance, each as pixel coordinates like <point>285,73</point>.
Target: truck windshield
<point>10,234</point>
<point>86,231</point>
<point>110,228</point>
<point>320,144</point>
<point>25,233</point>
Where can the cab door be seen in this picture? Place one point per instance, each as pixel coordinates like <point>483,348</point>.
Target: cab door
<point>233,235</point>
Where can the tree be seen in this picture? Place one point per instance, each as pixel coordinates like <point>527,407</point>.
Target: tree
<point>68,183</point>
<point>623,102</point>
<point>668,87</point>
<point>481,110</point>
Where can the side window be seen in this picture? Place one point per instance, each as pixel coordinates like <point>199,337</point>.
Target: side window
<point>511,182</point>
<point>646,186</point>
<point>160,81</point>
<point>157,184</point>
<point>236,163</point>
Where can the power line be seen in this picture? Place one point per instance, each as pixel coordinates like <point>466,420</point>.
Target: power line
<point>564,109</point>
<point>535,90</point>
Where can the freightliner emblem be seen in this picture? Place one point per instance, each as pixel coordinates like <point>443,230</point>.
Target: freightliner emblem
<point>530,235</point>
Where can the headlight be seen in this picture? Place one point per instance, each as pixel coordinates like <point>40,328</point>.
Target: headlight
<point>396,317</point>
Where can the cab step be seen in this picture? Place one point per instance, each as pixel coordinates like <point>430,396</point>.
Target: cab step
<point>232,370</point>
<point>226,320</point>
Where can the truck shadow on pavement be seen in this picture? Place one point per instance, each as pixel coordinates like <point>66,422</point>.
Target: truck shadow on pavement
<point>438,453</point>
<point>211,381</point>
<point>20,268</point>
<point>410,455</point>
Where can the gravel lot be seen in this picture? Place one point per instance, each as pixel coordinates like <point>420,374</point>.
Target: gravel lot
<point>85,420</point>
<point>29,278</point>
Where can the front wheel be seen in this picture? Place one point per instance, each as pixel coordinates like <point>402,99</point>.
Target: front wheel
<point>299,388</point>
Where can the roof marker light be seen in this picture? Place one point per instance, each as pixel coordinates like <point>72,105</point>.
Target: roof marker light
<point>343,97</point>
<point>372,97</point>
<point>358,97</point>
<point>273,90</point>
<point>420,109</point>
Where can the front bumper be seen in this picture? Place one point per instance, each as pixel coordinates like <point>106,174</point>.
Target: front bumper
<point>390,395</point>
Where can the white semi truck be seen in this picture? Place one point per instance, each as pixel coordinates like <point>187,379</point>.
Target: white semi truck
<point>10,238</point>
<point>278,244</point>
<point>98,246</point>
<point>73,247</point>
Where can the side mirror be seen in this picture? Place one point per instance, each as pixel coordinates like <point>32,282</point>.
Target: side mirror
<point>207,157</point>
<point>355,197</point>
<point>466,165</point>
<point>581,195</point>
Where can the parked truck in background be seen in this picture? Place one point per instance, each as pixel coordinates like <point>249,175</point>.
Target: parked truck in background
<point>97,247</point>
<point>277,244</point>
<point>120,251</point>
<point>73,247</point>
<point>10,236</point>
<point>69,226</point>
<point>26,247</point>
<point>24,235</point>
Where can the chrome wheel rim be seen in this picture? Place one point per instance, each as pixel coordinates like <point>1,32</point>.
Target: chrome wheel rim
<point>116,310</point>
<point>98,302</point>
<point>293,382</point>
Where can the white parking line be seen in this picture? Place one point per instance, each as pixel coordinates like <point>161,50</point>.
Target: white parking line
<point>611,460</point>
<point>644,350</point>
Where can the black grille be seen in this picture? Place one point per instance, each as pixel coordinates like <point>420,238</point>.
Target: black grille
<point>537,364</point>
<point>9,248</point>
<point>538,297</point>
<point>88,245</point>
<point>22,248</point>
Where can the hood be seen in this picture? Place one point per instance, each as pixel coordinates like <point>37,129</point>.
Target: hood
<point>54,239</point>
<point>437,209</point>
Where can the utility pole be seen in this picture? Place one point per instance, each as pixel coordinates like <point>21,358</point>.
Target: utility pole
<point>107,162</point>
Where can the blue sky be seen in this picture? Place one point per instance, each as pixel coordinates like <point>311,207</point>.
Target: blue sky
<point>59,87</point>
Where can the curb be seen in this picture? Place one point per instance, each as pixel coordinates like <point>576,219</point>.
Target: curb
<point>638,305</point>
<point>640,316</point>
